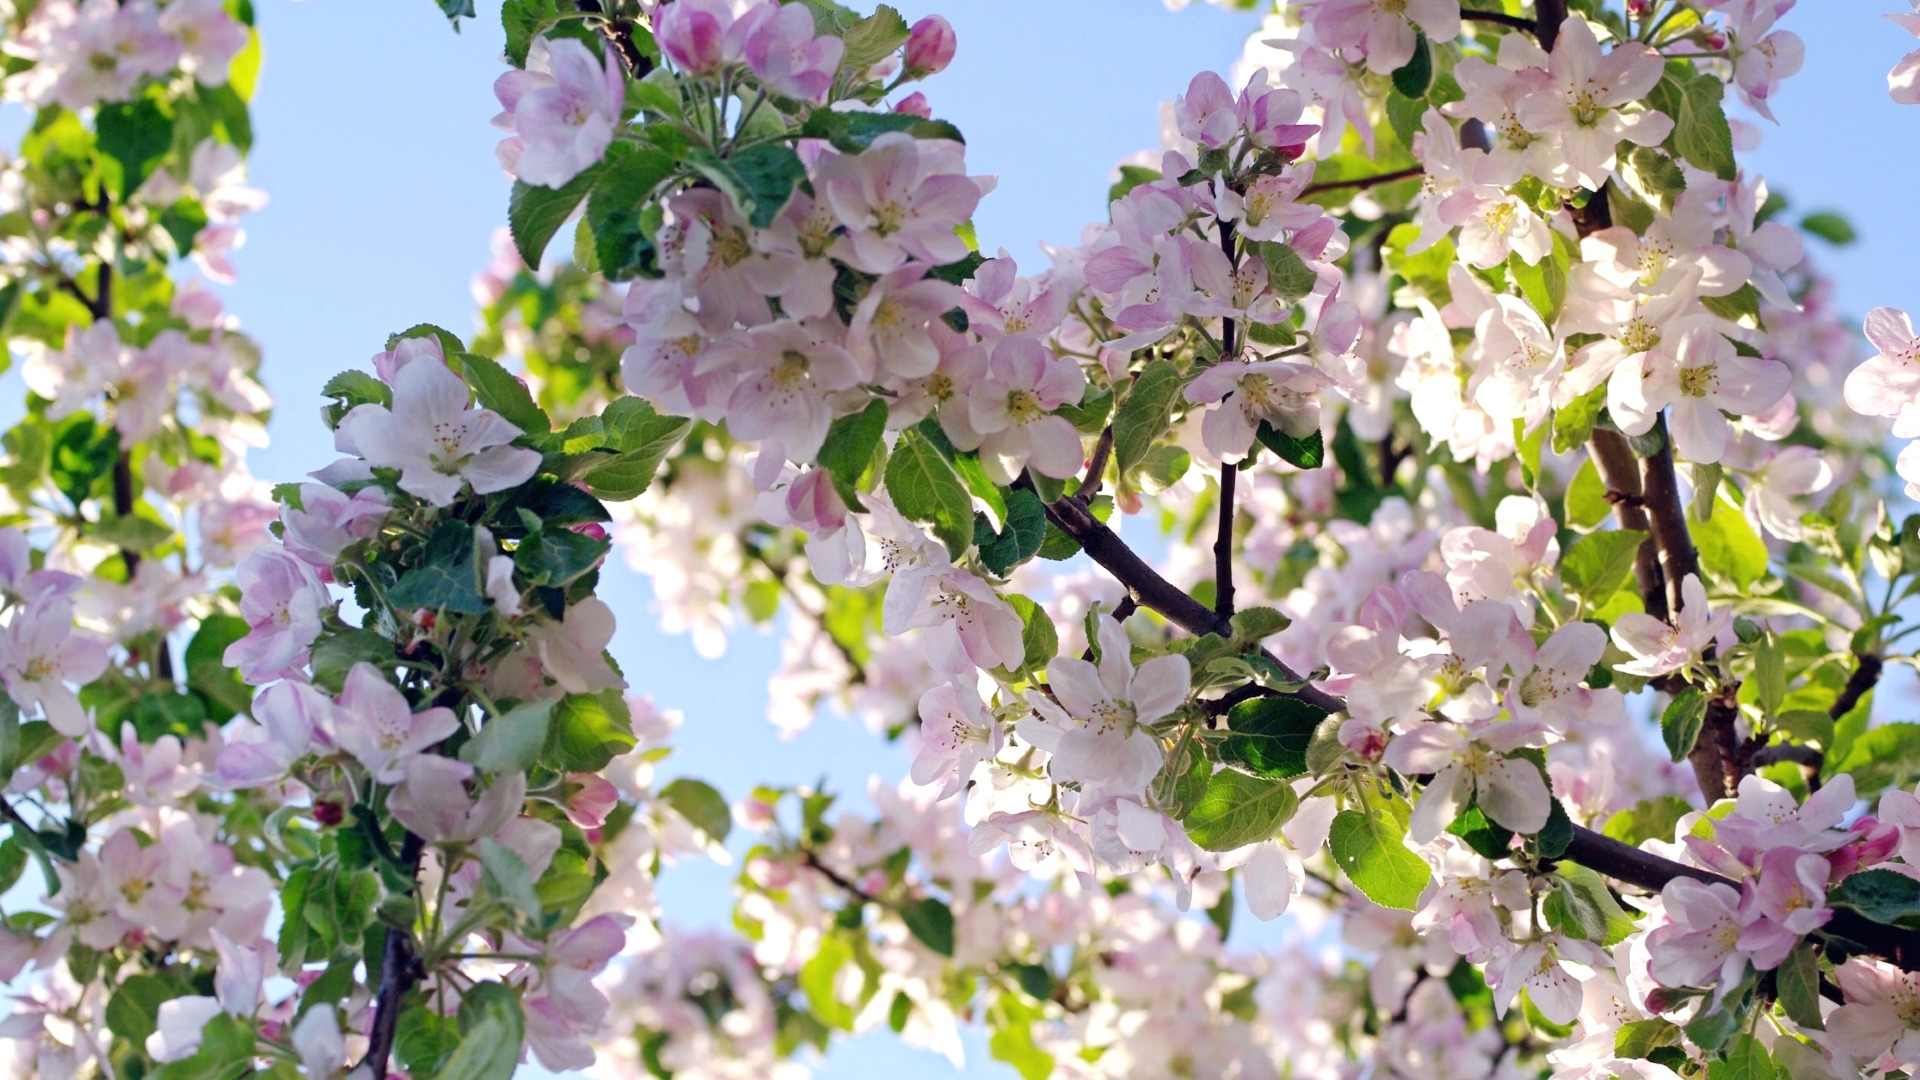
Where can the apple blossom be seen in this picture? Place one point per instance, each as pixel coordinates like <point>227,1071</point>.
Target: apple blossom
<point>373,722</point>
<point>437,440</point>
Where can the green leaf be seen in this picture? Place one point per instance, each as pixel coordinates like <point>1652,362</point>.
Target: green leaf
<point>134,1010</point>
<point>1649,819</point>
<point>588,731</point>
<point>1481,834</point>
<point>1026,527</point>
<point>511,741</point>
<point>335,654</point>
<point>504,394</point>
<point>1741,306</point>
<point>1877,758</point>
<point>853,444</point>
<point>1655,174</point>
<point>1745,1059</point>
<point>1680,724</point>
<point>1797,984</point>
<point>1700,131</point>
<point>505,875</point>
<point>558,557</point>
<point>1573,425</point>
<point>491,1031</point>
<point>1598,564</point>
<point>1253,625</point>
<point>1885,896</point>
<point>1581,905</point>
<point>226,1052</point>
<point>850,133</point>
<point>1416,75</point>
<point>819,979</point>
<point>1586,505</point>
<point>1769,673</point>
<point>424,1039</point>
<point>1145,415</point>
<point>1131,176</point>
<point>1012,1039</point>
<point>135,137</point>
<point>1287,273</point>
<point>703,807</point>
<point>926,489</point>
<point>1307,453</point>
<point>1830,226</point>
<point>931,922</point>
<point>874,38</point>
<point>1370,849</point>
<point>1268,736</point>
<point>759,179</point>
<point>131,532</point>
<point>455,10</point>
<point>643,438</point>
<point>1039,638</point>
<point>1239,809</point>
<point>449,576</point>
<point>207,672</point>
<point>534,213</point>
<point>1730,550</point>
<point>1544,284</point>
<point>523,20</point>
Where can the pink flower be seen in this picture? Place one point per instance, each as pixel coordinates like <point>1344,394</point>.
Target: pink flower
<point>956,734</point>
<point>564,1008</point>
<point>1552,969</point>
<point>790,373</point>
<point>1788,903</point>
<point>1097,732</point>
<point>562,108</point>
<point>1762,60</point>
<point>1699,945</point>
<point>431,799</point>
<point>692,33</point>
<point>209,39</point>
<point>967,624</point>
<point>287,718</point>
<point>573,651</point>
<point>282,600</point>
<point>1205,112</point>
<point>1553,694</point>
<point>96,51</point>
<point>231,528</point>
<point>889,332</point>
<point>1703,377</point>
<point>1012,407</point>
<point>899,199</point>
<point>782,52</point>
<point>436,439</point>
<point>1903,82</point>
<point>930,46</point>
<point>1384,29</point>
<point>329,520</point>
<point>1888,383</point>
<point>20,580</point>
<point>593,798</point>
<point>1882,1003</point>
<point>1283,395</point>
<point>1583,105</point>
<point>1471,765</point>
<point>1793,472</point>
<point>40,653</point>
<point>374,723</point>
<point>1658,647</point>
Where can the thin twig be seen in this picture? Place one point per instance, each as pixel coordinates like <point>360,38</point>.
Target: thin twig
<point>1865,676</point>
<point>1363,182</point>
<point>1548,15</point>
<point>1103,449</point>
<point>399,971</point>
<point>1613,459</point>
<point>1223,544</point>
<point>1499,18</point>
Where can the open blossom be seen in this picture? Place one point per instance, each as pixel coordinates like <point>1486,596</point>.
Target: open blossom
<point>1551,969</point>
<point>1699,945</point>
<point>282,599</point>
<point>1700,379</point>
<point>1888,383</point>
<point>437,440</point>
<point>1788,903</point>
<point>790,373</point>
<point>562,108</point>
<point>1793,472</point>
<point>564,1009</point>
<point>1012,409</point>
<point>1096,731</point>
<point>40,653</point>
<point>1284,395</point>
<point>1903,82</point>
<point>899,201</point>
<point>432,799</point>
<point>967,625</point>
<point>1659,647</point>
<point>327,520</point>
<point>89,52</point>
<point>1583,103</point>
<point>1385,28</point>
<point>956,734</point>
<point>209,38</point>
<point>374,723</point>
<point>1472,766</point>
<point>782,52</point>
<point>1552,692</point>
<point>573,651</point>
<point>287,718</point>
<point>1881,1014</point>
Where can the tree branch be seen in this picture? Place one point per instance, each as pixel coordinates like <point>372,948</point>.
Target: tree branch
<point>1103,449</point>
<point>1865,676</point>
<point>1620,472</point>
<point>618,33</point>
<point>1651,872</point>
<point>1223,544</point>
<point>1547,17</point>
<point>399,971</point>
<point>1667,516</point>
<point>1364,182</point>
<point>1498,18</point>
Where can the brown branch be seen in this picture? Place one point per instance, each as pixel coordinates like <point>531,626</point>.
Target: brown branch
<point>839,880</point>
<point>1651,872</point>
<point>1620,472</point>
<point>399,971</point>
<point>1667,516</point>
<point>1547,16</point>
<point>1498,18</point>
<point>618,33</point>
<point>1865,676</point>
<point>1223,544</point>
<point>1364,182</point>
<point>1103,449</point>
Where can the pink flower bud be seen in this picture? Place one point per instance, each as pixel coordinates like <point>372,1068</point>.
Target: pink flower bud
<point>690,35</point>
<point>1638,10</point>
<point>593,799</point>
<point>915,104</point>
<point>592,530</point>
<point>930,46</point>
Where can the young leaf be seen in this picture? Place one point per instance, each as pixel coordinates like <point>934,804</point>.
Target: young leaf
<point>1680,724</point>
<point>1145,414</point>
<point>1268,736</point>
<point>1371,850</point>
<point>926,489</point>
<point>504,394</point>
<point>534,213</point>
<point>703,807</point>
<point>1597,565</point>
<point>1238,810</point>
<point>931,923</point>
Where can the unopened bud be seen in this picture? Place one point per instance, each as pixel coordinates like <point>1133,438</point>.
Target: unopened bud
<point>930,46</point>
<point>915,104</point>
<point>329,812</point>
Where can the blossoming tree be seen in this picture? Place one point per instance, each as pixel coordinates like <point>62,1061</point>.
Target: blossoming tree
<point>1511,557</point>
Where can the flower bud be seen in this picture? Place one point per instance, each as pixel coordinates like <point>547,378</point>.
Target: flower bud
<point>329,812</point>
<point>915,104</point>
<point>930,46</point>
<point>690,35</point>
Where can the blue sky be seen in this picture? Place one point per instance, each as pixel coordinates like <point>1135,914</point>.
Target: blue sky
<point>373,141</point>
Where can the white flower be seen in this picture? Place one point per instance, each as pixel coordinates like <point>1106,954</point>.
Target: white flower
<point>1472,767</point>
<point>1096,733</point>
<point>436,439</point>
<point>1657,647</point>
